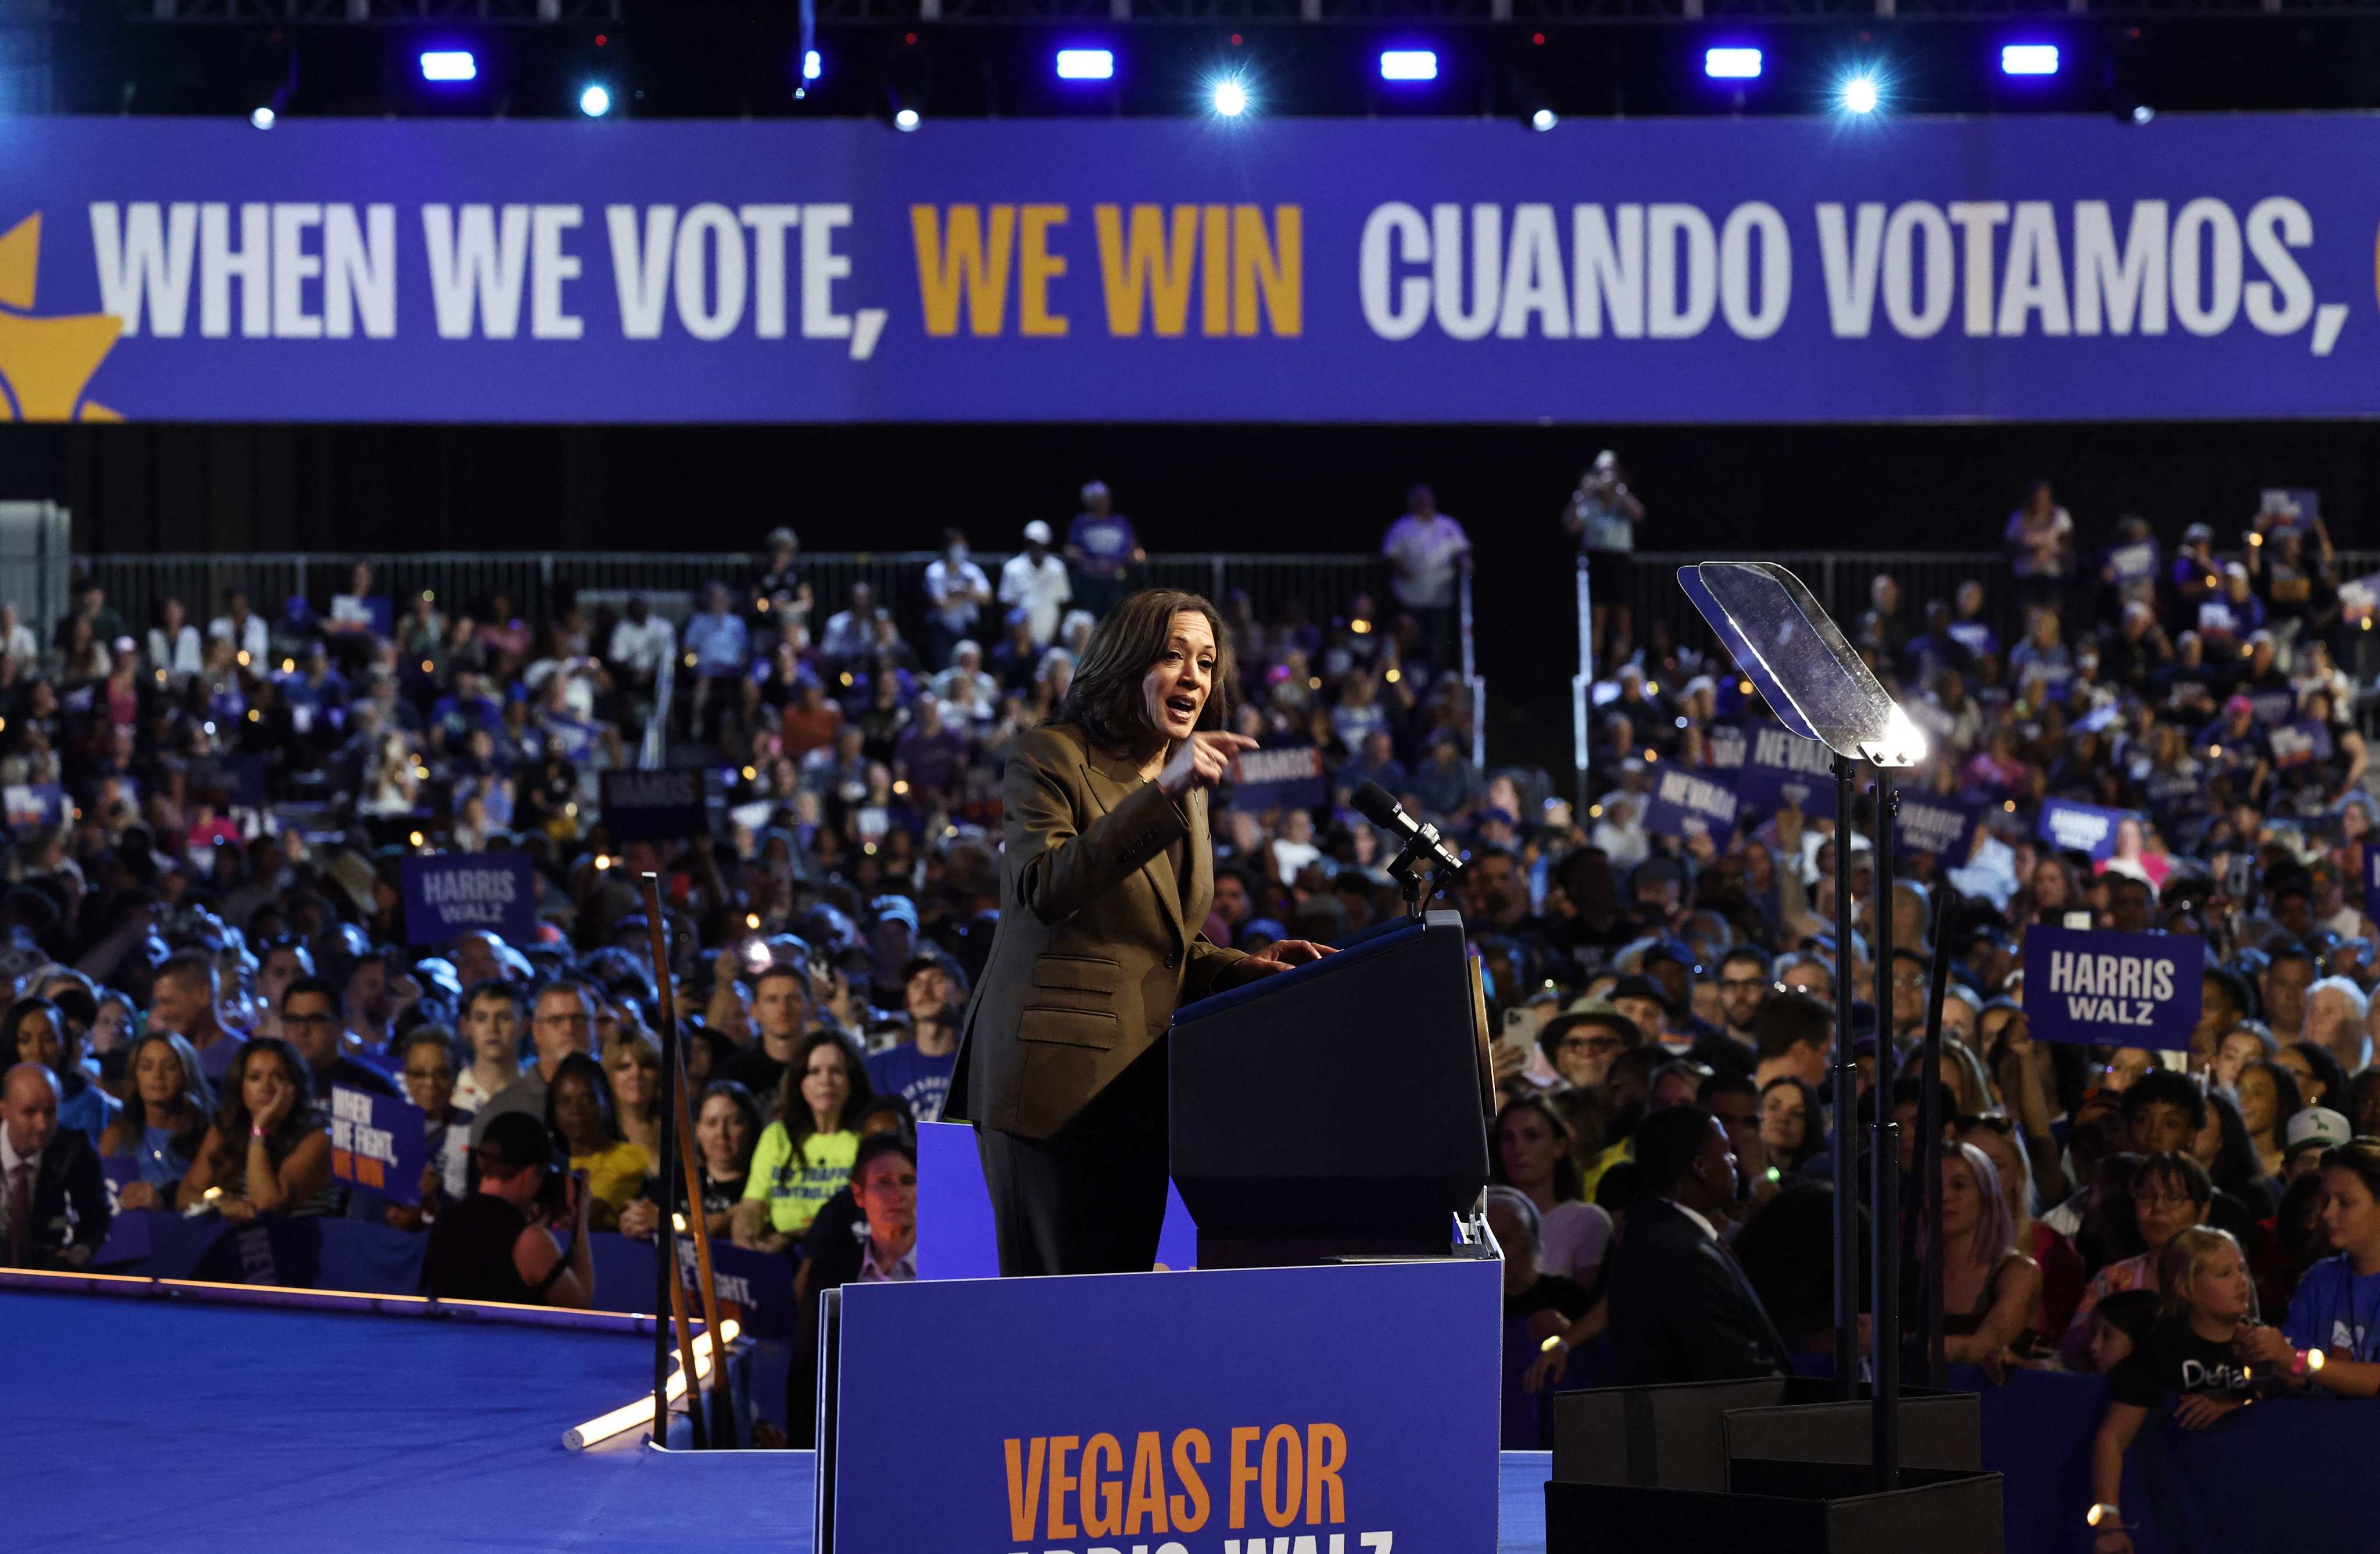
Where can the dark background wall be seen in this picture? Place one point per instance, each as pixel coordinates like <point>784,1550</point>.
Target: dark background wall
<point>1745,490</point>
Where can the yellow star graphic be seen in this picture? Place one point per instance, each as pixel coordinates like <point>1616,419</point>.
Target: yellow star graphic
<point>45,363</point>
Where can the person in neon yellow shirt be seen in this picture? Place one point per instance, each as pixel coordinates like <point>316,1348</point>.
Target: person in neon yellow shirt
<point>804,1157</point>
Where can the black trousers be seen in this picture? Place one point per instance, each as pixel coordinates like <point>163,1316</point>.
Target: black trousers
<point>1092,1199</point>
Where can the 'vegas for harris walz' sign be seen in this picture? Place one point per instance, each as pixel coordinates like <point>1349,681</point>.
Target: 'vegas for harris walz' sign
<point>2037,266</point>
<point>1201,1412</point>
<point>2100,987</point>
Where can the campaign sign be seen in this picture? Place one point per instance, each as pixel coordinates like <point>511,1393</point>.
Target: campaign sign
<point>2275,706</point>
<point>451,893</point>
<point>2130,563</point>
<point>658,806</point>
<point>2097,987</point>
<point>1727,746</point>
<point>378,1143</point>
<point>1924,823</point>
<point>2294,744</point>
<point>34,804</point>
<point>759,1284</point>
<point>1194,1412</point>
<point>1685,804</point>
<point>128,1229</point>
<point>1782,767</point>
<point>1284,778</point>
<point>2073,827</point>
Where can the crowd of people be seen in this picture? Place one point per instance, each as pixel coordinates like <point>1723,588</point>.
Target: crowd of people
<point>205,932</point>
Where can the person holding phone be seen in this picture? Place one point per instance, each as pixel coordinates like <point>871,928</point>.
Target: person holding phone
<point>1107,873</point>
<point>503,1243</point>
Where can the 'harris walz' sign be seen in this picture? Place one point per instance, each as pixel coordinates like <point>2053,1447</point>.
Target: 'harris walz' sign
<point>452,893</point>
<point>1286,777</point>
<point>671,805</point>
<point>2095,986</point>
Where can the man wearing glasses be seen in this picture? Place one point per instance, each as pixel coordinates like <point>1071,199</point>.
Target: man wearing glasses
<point>1744,984</point>
<point>1582,1042</point>
<point>311,1022</point>
<point>561,1022</point>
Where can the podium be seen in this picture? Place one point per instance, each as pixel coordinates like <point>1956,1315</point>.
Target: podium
<point>1337,1110</point>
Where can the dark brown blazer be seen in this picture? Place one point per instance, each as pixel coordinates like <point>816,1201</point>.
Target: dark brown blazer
<point>1098,942</point>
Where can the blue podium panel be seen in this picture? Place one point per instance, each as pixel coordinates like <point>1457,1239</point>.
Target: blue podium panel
<point>1353,1406</point>
<point>955,1239</point>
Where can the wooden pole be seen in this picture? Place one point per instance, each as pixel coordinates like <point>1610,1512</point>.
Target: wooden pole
<point>674,1085</point>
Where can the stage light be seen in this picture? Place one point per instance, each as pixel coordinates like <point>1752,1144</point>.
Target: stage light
<point>263,118</point>
<point>1731,64</point>
<point>449,65</point>
<point>1543,120</point>
<point>905,120</point>
<point>1859,94</point>
<point>2142,113</point>
<point>1408,65</point>
<point>596,101</point>
<point>812,67</point>
<point>1085,65</point>
<point>1229,98</point>
<point>2029,59</point>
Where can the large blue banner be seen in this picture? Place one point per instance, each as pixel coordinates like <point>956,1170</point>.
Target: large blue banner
<point>1679,269</point>
<point>1195,1412</point>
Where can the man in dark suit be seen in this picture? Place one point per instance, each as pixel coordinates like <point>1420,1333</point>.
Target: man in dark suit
<point>1680,1308</point>
<point>54,1208</point>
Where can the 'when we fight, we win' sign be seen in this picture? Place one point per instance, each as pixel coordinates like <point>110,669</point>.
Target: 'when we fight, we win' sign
<point>2099,987</point>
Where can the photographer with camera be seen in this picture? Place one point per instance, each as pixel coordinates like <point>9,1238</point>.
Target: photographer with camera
<point>1604,515</point>
<point>501,1243</point>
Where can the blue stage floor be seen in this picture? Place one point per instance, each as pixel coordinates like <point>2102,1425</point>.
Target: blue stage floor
<point>149,1425</point>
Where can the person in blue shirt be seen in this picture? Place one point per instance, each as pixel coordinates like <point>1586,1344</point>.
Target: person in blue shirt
<point>167,1105</point>
<point>1101,548</point>
<point>919,1070</point>
<point>463,712</point>
<point>36,1031</point>
<point>2335,1313</point>
<point>717,646</point>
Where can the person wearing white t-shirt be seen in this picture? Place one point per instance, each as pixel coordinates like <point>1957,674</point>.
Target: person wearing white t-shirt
<point>1427,550</point>
<point>1035,581</point>
<point>956,592</point>
<point>246,630</point>
<point>17,638</point>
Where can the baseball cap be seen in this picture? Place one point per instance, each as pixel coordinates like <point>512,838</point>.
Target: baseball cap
<point>1037,531</point>
<point>2316,1128</point>
<point>2196,533</point>
<point>897,907</point>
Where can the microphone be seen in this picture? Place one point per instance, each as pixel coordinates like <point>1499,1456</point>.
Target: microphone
<point>1376,805</point>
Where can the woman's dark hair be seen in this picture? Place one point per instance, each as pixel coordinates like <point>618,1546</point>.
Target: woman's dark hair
<point>1104,698</point>
<point>1783,1250</point>
<point>579,1066</point>
<point>876,1144</point>
<point>1568,1183</point>
<point>795,1112</point>
<point>2238,1169</point>
<point>1812,1118</point>
<point>2328,1071</point>
<point>2363,1094</point>
<point>11,1023</point>
<point>198,1099</point>
<point>2131,1312</point>
<point>2110,1229</point>
<point>232,1118</point>
<point>749,1110</point>
<point>2175,1168</point>
<point>2287,1099</point>
<point>2304,1243</point>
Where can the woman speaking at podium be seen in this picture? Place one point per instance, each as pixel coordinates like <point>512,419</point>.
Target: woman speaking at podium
<point>1105,881</point>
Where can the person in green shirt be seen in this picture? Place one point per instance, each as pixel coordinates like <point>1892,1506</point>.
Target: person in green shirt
<point>805,1155</point>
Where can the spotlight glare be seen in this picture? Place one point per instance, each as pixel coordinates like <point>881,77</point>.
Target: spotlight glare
<point>1085,65</point>
<point>1542,120</point>
<point>449,65</point>
<point>1231,99</point>
<point>596,101</point>
<point>1408,65</point>
<point>2029,59</point>
<point>1731,65</point>
<point>812,67</point>
<point>1859,94</point>
<point>2143,112</point>
<point>905,120</point>
<point>263,118</point>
